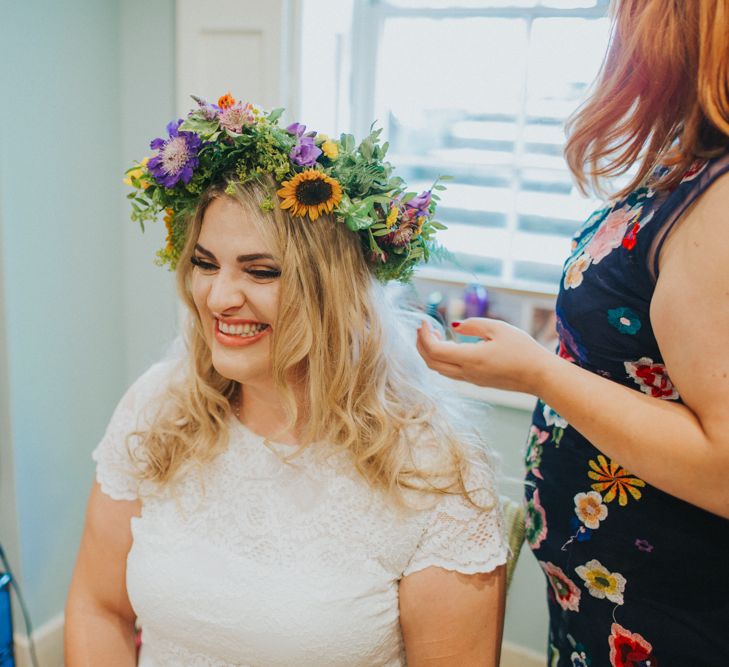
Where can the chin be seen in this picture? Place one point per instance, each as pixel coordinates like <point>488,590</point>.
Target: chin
<point>238,368</point>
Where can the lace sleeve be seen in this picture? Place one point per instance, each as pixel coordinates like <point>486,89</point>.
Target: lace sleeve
<point>462,537</point>
<point>116,472</point>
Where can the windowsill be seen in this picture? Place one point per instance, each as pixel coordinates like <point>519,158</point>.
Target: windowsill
<point>496,397</point>
<point>454,277</point>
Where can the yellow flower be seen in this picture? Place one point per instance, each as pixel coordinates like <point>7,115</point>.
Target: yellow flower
<point>614,480</point>
<point>391,217</point>
<point>137,174</point>
<point>311,193</point>
<point>168,224</point>
<point>601,583</point>
<point>330,149</point>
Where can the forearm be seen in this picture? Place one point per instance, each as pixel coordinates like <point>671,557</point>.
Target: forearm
<point>95,637</point>
<point>662,442</point>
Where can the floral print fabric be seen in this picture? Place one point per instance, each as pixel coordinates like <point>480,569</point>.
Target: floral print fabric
<point>634,576</point>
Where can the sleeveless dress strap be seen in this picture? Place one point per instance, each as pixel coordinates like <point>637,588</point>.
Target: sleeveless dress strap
<point>695,182</point>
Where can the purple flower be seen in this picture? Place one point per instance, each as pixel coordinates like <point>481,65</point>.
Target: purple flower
<point>177,156</point>
<point>209,111</point>
<point>421,202</point>
<point>305,152</point>
<point>644,545</point>
<point>296,129</point>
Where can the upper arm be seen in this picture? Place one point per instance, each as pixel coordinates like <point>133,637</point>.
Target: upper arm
<point>452,619</point>
<point>690,310</point>
<point>99,578</point>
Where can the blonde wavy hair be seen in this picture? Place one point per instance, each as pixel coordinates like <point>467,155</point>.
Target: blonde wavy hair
<point>662,95</point>
<point>367,390</point>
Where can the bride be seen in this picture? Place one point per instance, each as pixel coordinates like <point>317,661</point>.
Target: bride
<point>293,489</point>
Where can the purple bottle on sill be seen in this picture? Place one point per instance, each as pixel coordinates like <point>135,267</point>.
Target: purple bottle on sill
<point>476,301</point>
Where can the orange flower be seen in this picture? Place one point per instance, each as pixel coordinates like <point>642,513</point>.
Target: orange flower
<point>226,101</point>
<point>613,480</point>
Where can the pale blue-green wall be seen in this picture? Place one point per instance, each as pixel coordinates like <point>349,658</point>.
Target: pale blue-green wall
<point>62,269</point>
<point>526,606</point>
<point>8,515</point>
<point>70,76</point>
<point>148,103</point>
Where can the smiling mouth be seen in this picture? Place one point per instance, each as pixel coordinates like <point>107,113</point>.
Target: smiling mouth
<point>247,330</point>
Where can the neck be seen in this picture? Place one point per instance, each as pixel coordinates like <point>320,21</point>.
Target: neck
<point>261,409</point>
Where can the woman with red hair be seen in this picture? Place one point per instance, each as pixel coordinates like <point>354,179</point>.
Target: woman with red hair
<point>627,496</point>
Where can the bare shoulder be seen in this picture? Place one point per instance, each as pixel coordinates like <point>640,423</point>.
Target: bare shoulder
<point>690,306</point>
<point>704,227</point>
<point>694,261</point>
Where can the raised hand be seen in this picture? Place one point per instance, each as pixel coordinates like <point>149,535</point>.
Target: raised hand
<point>505,358</point>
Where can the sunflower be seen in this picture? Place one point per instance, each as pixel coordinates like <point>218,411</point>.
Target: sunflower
<point>311,193</point>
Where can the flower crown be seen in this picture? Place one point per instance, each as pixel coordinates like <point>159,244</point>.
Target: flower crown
<point>230,141</point>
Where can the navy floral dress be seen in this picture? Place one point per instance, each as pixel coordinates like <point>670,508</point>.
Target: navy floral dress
<point>635,577</point>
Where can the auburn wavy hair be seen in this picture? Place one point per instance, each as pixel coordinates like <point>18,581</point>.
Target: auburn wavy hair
<point>367,390</point>
<point>661,97</point>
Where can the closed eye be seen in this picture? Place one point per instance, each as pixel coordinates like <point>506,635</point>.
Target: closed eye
<point>267,274</point>
<point>205,266</point>
<point>263,274</point>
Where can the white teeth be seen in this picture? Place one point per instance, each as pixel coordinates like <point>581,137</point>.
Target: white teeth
<point>241,329</point>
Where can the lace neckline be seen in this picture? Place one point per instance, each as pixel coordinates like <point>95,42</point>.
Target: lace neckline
<point>237,425</point>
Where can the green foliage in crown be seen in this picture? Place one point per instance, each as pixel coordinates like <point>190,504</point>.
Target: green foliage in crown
<point>230,141</point>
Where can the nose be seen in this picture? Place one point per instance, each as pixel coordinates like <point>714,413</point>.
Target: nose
<point>225,293</point>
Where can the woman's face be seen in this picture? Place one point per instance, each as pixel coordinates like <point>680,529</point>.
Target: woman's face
<point>235,285</point>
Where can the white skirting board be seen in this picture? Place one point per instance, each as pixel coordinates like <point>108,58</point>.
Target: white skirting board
<point>513,655</point>
<point>49,649</point>
<point>48,645</point>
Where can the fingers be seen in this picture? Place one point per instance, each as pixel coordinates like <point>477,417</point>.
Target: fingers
<point>433,349</point>
<point>449,370</point>
<point>482,327</point>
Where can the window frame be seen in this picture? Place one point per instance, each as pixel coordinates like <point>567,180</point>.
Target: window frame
<point>369,17</point>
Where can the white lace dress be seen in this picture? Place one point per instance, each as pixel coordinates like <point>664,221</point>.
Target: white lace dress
<point>263,563</point>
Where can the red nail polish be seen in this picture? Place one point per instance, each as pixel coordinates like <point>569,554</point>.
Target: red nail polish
<point>455,325</point>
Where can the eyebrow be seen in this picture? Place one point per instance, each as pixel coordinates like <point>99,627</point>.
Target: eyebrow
<point>241,258</point>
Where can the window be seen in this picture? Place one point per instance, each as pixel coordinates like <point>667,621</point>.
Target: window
<point>479,90</point>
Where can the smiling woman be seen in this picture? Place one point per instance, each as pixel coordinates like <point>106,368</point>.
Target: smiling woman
<point>235,297</point>
<point>306,496</point>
